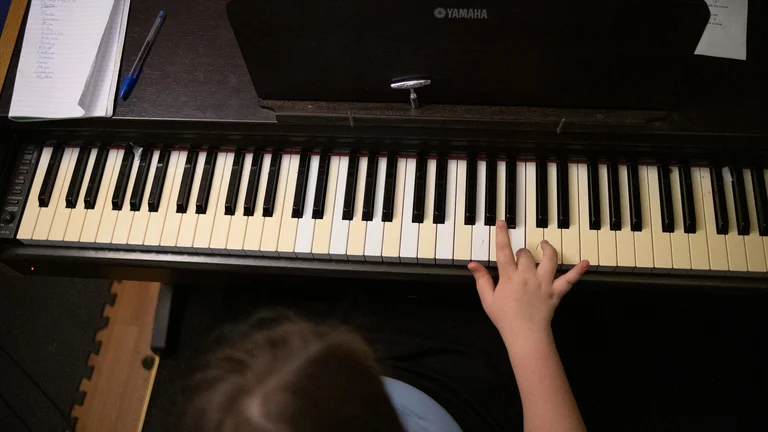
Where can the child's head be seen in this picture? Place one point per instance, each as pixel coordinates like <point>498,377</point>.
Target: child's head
<point>290,376</point>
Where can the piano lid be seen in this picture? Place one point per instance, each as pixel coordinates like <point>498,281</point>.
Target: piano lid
<point>591,53</point>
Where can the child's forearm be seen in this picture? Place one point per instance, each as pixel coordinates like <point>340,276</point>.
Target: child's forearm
<point>548,402</point>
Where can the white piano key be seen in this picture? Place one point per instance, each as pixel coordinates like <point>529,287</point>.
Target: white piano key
<point>409,237</point>
<point>141,217</point>
<point>61,217</point>
<point>734,243</point>
<point>374,230</point>
<point>340,227</point>
<point>77,215</point>
<point>444,246</point>
<point>356,238</point>
<point>681,252</point>
<point>662,245</point>
<point>552,233</point>
<point>254,230</point>
<point>753,243</point>
<point>172,223</point>
<point>533,234</point>
<point>119,227</point>
<point>188,225</point>
<point>306,229</point>
<point>517,234</point>
<point>625,239</point>
<point>765,239</point>
<point>221,221</point>
<point>606,239</point>
<point>204,229</point>
<point>271,236</point>
<point>501,174</point>
<point>698,241</point>
<point>93,217</point>
<point>288,226</point>
<point>588,238</point>
<point>644,237</point>
<point>481,234</point>
<point>32,209</point>
<point>157,219</point>
<point>321,243</point>
<point>47,214</point>
<point>239,224</point>
<point>391,244</point>
<point>718,253</point>
<point>462,243</point>
<point>428,229</point>
<point>571,251</point>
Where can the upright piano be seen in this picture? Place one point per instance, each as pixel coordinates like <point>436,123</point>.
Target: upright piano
<point>198,178</point>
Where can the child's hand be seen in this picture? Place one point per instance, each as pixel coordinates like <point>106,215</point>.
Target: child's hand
<point>522,304</point>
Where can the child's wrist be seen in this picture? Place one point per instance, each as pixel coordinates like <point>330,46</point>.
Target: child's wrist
<point>521,342</point>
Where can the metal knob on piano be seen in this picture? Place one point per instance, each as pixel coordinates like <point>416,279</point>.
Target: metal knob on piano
<point>411,85</point>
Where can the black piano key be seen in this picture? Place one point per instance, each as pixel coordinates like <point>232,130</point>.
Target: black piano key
<point>270,193</point>
<point>140,182</point>
<point>51,172</point>
<point>718,198</point>
<point>187,177</point>
<point>390,183</point>
<point>614,204</point>
<point>665,194</point>
<point>97,173</point>
<point>635,212</point>
<point>686,196</point>
<point>542,210</point>
<point>441,190</point>
<point>420,190</point>
<point>740,201</point>
<point>78,175</point>
<point>510,193</point>
<point>233,189</point>
<point>206,182</point>
<point>470,192</point>
<point>158,183</point>
<point>369,194</point>
<point>321,189</point>
<point>490,192</point>
<point>593,192</point>
<point>351,188</point>
<point>563,197</point>
<point>252,189</point>
<point>121,186</point>
<point>302,179</point>
<point>761,200</point>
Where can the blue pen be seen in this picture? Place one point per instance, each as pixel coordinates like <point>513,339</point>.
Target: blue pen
<point>130,80</point>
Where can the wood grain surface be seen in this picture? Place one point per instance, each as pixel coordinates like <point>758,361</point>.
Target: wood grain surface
<point>10,31</point>
<point>117,394</point>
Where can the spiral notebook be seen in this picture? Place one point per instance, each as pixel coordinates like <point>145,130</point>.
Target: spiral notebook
<point>70,59</point>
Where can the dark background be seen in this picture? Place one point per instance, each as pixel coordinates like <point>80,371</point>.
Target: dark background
<point>638,358</point>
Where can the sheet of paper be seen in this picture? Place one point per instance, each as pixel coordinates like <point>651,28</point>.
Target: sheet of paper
<point>726,33</point>
<point>98,97</point>
<point>61,40</point>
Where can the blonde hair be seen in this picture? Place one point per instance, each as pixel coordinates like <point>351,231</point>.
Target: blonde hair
<point>284,374</point>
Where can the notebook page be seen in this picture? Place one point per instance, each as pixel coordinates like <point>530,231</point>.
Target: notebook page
<point>98,96</point>
<point>60,44</point>
<point>118,46</point>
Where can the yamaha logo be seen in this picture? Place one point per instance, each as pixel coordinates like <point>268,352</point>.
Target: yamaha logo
<point>442,13</point>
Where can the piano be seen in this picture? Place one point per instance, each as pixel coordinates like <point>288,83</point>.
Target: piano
<point>196,178</point>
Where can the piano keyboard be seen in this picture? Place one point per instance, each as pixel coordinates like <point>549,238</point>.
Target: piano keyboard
<point>390,208</point>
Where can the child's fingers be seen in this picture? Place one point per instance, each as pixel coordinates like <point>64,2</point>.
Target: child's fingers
<point>484,282</point>
<point>505,259</point>
<point>548,264</point>
<point>563,284</point>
